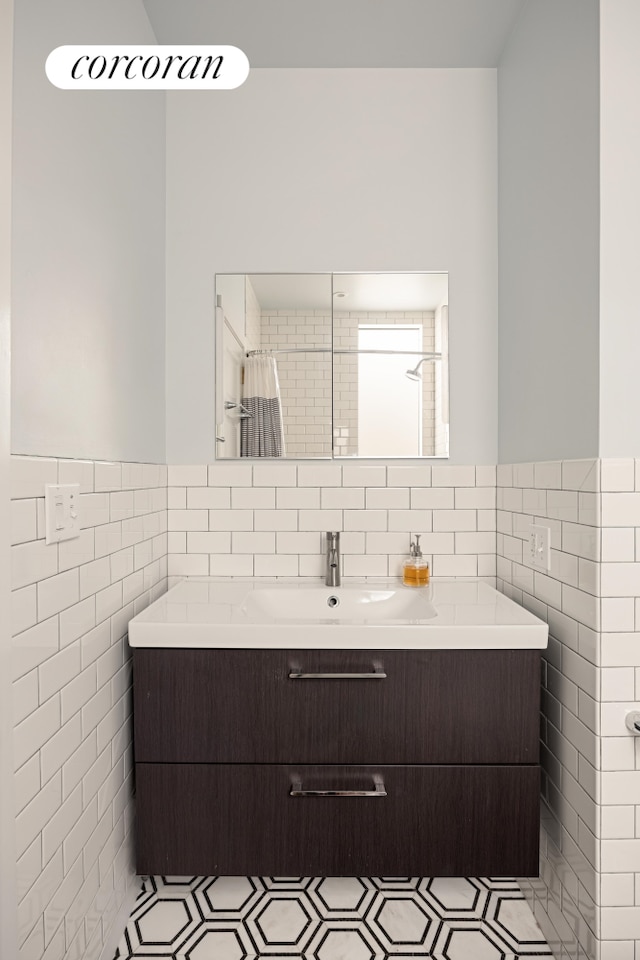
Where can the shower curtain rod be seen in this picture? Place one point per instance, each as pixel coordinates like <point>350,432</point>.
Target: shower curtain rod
<point>404,353</point>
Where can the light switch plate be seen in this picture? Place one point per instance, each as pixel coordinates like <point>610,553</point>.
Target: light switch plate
<point>61,511</point>
<point>539,552</point>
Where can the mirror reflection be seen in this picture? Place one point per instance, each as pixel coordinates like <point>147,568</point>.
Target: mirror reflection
<point>332,365</point>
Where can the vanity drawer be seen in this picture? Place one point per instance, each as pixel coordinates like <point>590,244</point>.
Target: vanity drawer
<point>230,820</point>
<point>241,706</point>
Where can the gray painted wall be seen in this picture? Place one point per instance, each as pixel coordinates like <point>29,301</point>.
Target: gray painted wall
<point>313,170</point>
<point>620,216</point>
<point>318,170</point>
<point>88,246</point>
<point>548,123</point>
<point>8,872</point>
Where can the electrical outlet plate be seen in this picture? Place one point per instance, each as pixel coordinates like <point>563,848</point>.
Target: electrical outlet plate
<point>539,553</point>
<point>61,512</point>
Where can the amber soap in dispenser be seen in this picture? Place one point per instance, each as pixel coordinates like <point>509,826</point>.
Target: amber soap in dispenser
<point>415,571</point>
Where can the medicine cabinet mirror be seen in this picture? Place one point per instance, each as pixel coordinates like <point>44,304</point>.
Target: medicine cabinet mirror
<point>332,365</point>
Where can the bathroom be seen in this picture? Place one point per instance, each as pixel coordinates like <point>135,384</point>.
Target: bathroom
<point>505,157</point>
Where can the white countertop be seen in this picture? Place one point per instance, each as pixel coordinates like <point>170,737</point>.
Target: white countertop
<point>215,612</point>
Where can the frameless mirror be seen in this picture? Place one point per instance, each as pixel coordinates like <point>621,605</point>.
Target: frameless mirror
<point>332,365</point>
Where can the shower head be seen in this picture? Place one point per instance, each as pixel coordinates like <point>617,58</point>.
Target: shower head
<point>415,373</point>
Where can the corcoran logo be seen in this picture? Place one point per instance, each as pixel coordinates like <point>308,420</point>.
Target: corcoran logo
<point>152,67</point>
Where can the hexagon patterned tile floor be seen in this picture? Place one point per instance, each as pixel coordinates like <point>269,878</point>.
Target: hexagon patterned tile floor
<point>331,918</point>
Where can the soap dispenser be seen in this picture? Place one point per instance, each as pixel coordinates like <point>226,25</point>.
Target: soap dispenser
<point>415,570</point>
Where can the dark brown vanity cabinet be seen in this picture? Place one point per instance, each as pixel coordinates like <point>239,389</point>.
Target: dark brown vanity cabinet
<point>337,762</point>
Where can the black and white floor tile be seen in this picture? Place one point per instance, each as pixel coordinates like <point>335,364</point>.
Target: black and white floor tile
<point>331,918</point>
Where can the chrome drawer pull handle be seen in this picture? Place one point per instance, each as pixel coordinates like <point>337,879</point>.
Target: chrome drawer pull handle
<point>377,674</point>
<point>297,791</point>
<point>337,676</point>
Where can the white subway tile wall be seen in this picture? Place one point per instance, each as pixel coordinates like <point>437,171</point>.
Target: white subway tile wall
<point>263,528</point>
<point>71,605</point>
<point>619,660</point>
<point>141,523</point>
<point>588,897</point>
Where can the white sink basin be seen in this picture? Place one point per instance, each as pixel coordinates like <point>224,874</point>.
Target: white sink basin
<point>382,615</point>
<point>353,602</point>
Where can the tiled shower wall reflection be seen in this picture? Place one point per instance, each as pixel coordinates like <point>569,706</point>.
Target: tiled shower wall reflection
<point>305,378</point>
<point>71,605</point>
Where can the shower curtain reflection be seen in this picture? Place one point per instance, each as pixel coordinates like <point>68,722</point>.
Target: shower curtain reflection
<point>261,432</point>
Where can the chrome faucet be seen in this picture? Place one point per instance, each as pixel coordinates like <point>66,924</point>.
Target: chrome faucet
<point>332,577</point>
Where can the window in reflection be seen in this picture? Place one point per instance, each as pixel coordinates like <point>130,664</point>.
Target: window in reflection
<point>387,434</point>
<point>389,408</point>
